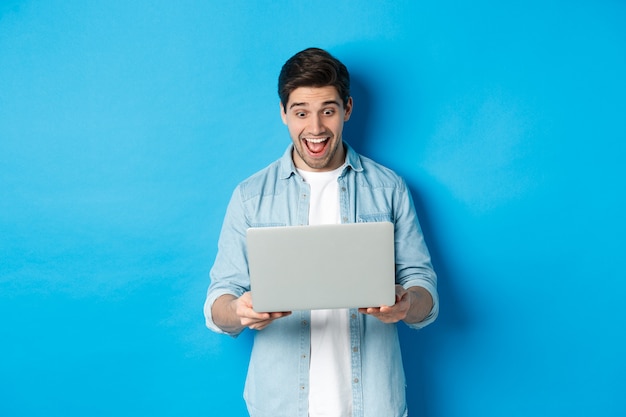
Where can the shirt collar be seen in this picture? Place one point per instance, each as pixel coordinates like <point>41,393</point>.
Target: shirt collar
<point>287,167</point>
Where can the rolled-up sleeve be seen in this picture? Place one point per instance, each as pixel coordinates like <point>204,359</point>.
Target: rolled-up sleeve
<point>413,263</point>
<point>229,274</point>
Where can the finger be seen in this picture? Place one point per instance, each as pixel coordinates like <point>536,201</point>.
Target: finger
<point>258,326</point>
<point>248,313</point>
<point>278,313</point>
<point>265,320</point>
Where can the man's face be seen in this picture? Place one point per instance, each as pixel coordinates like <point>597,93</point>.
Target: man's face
<point>315,117</point>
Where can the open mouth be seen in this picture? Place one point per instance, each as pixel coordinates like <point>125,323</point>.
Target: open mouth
<point>316,146</point>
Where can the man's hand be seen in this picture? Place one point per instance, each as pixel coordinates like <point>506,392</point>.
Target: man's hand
<point>250,318</point>
<point>412,305</point>
<point>233,314</point>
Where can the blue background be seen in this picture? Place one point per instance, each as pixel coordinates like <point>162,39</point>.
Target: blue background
<point>124,127</point>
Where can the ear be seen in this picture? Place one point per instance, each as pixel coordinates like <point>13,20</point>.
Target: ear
<point>283,115</point>
<point>348,109</point>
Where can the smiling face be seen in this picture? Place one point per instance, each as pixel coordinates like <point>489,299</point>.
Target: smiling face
<point>314,117</point>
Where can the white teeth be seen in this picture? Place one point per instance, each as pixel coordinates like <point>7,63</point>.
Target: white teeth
<point>315,140</point>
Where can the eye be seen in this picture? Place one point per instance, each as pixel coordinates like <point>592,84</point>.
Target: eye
<point>300,114</point>
<point>329,112</point>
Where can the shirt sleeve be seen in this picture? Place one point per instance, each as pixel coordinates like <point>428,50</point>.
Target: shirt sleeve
<point>413,263</point>
<point>229,274</point>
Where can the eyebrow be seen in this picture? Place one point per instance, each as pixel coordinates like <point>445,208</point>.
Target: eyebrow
<point>324,104</point>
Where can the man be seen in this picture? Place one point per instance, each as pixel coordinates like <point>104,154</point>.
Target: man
<point>343,362</point>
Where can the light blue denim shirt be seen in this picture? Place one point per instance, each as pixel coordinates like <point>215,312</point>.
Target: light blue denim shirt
<point>278,374</point>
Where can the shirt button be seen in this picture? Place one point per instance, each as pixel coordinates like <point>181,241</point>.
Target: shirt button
<point>355,349</point>
<point>353,316</point>
<point>304,322</point>
<point>356,380</point>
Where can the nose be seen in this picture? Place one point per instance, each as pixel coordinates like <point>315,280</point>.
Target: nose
<point>316,126</point>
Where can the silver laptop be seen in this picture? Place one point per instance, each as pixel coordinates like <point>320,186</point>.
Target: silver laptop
<point>321,267</point>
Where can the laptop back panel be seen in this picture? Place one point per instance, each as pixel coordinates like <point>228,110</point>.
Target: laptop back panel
<point>321,267</point>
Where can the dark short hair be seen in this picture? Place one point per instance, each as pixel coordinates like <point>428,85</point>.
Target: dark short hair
<point>313,67</point>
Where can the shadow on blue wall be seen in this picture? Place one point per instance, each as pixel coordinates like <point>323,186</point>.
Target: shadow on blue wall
<point>423,349</point>
<point>355,131</point>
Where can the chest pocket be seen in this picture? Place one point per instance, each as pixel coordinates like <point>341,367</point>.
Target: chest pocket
<point>268,224</point>
<point>374,217</point>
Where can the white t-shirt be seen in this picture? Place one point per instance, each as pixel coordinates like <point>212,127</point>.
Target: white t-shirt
<point>330,392</point>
